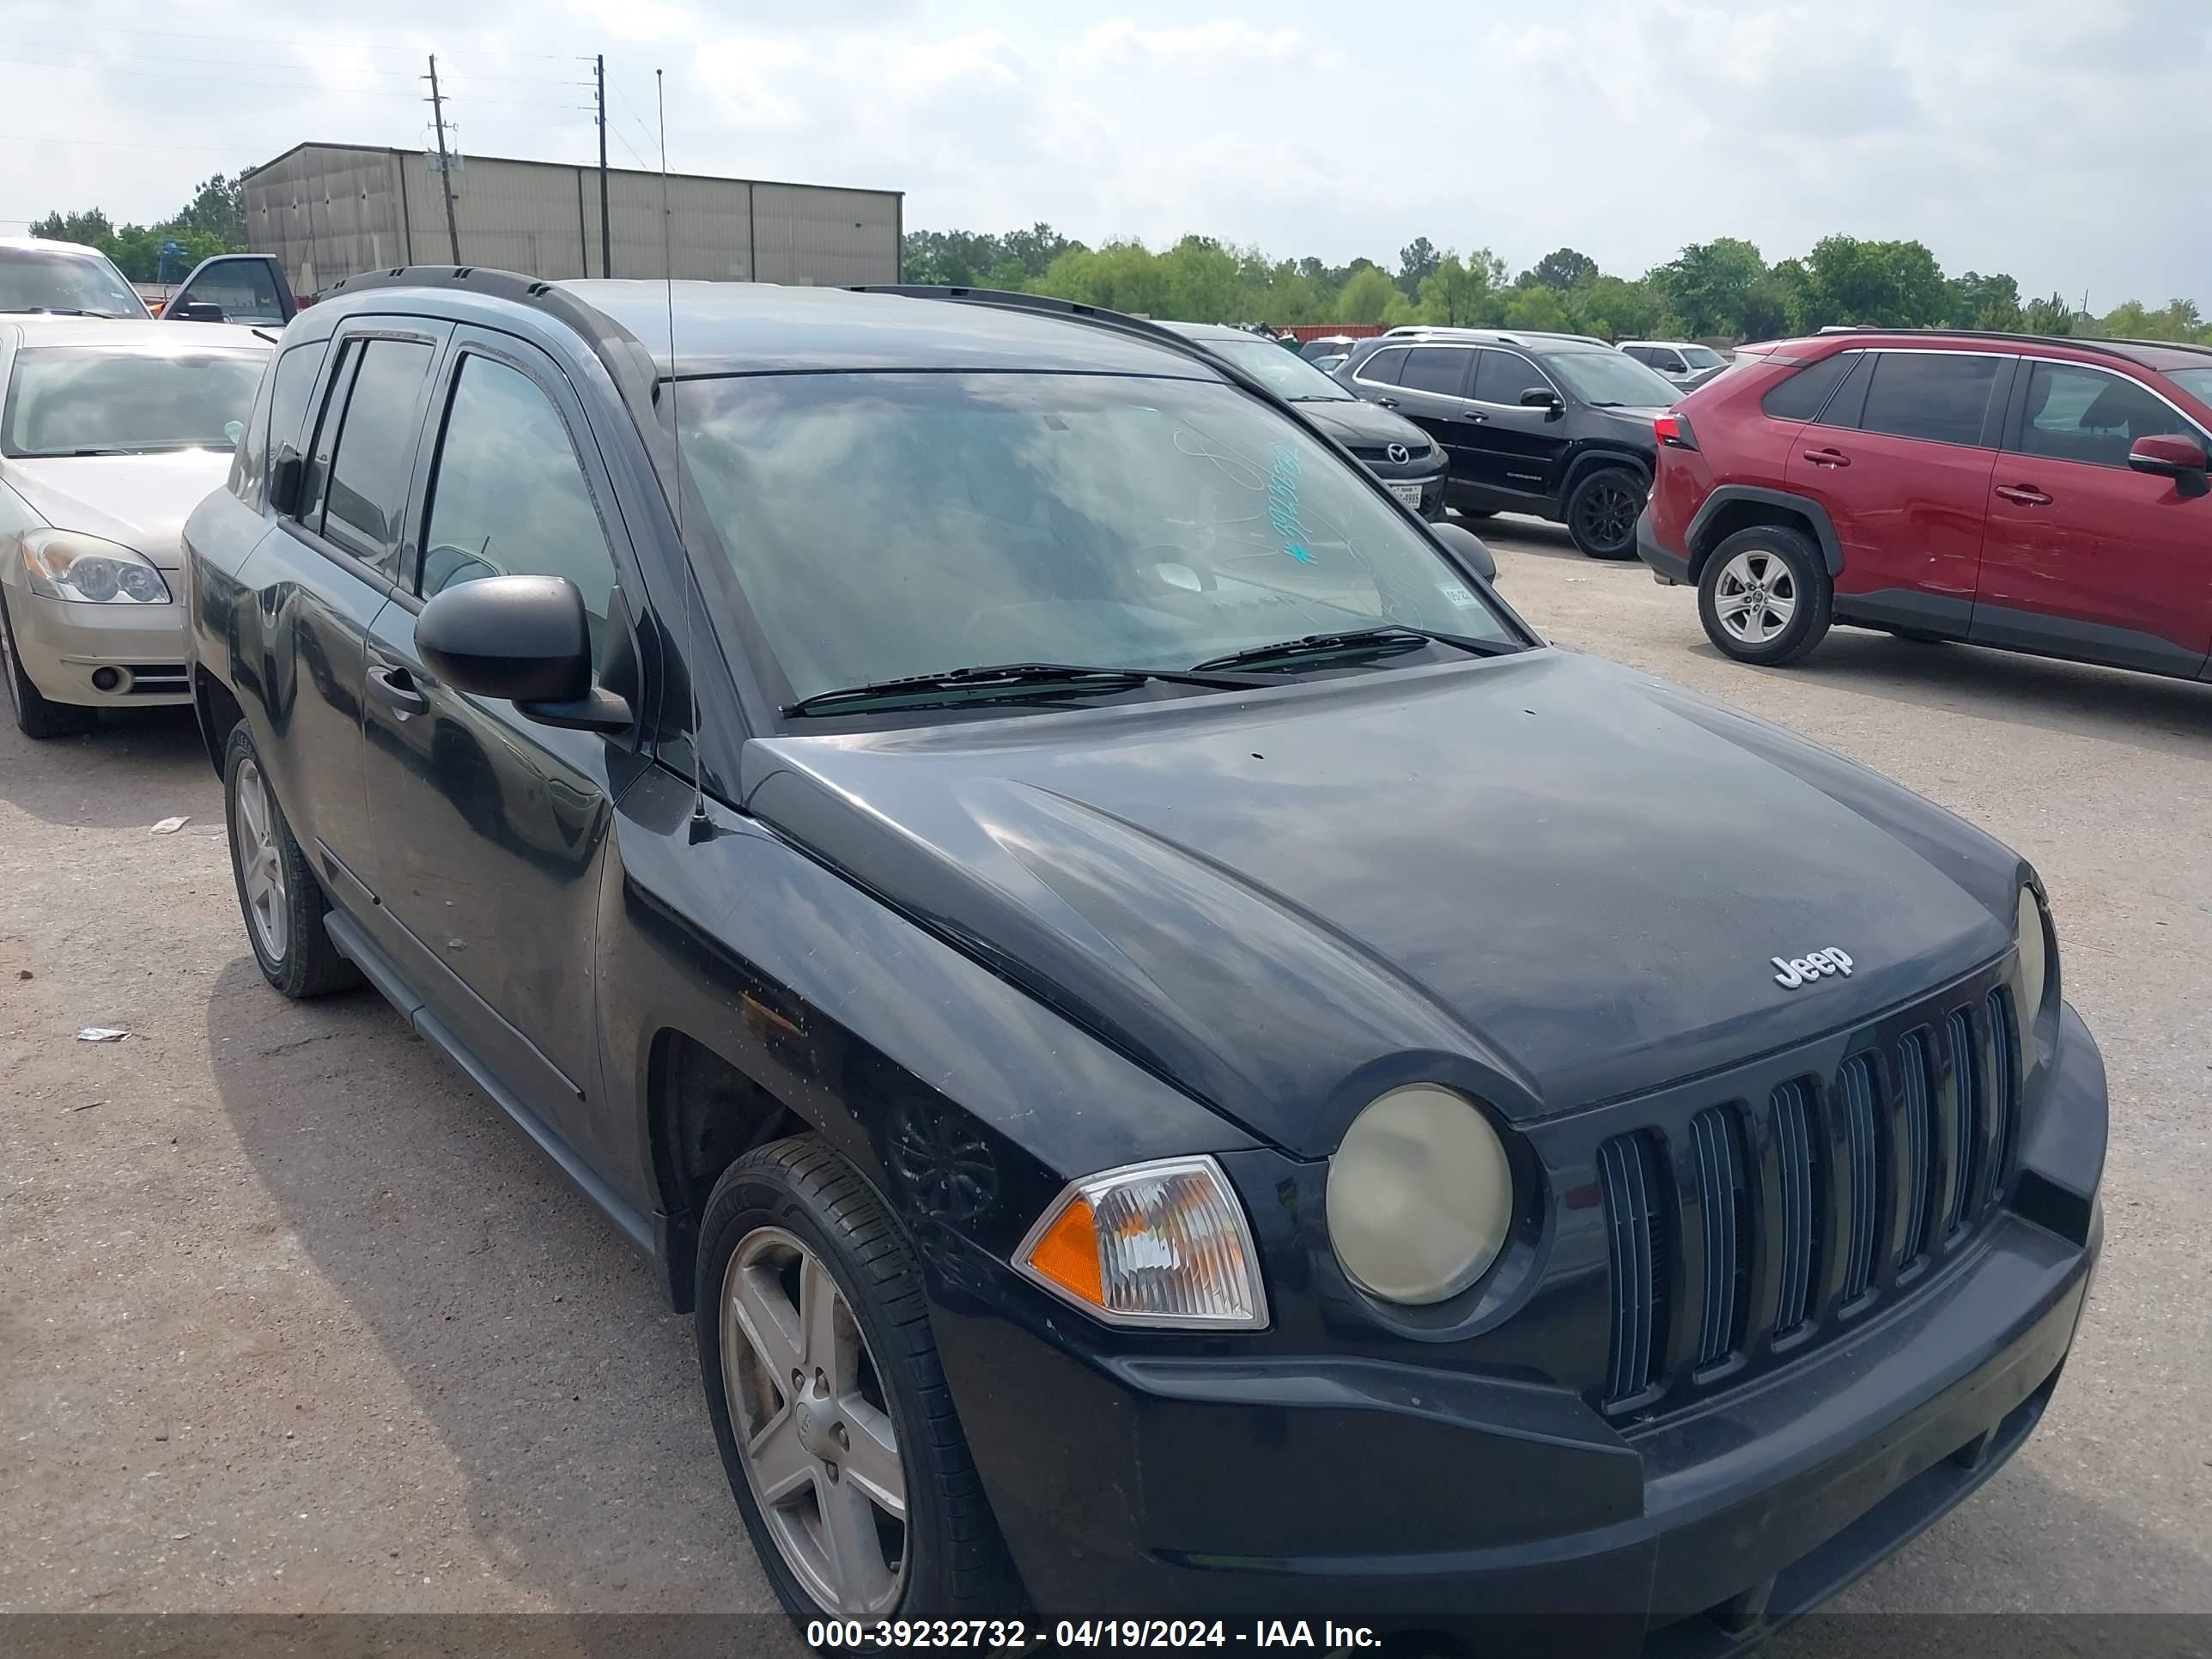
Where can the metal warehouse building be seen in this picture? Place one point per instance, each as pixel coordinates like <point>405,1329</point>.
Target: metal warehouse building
<point>331,211</point>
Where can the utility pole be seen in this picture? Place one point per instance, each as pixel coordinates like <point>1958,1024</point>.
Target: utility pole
<point>444,161</point>
<point>606,231</point>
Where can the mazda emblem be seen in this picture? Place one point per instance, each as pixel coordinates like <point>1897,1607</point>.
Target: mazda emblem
<point>1398,455</point>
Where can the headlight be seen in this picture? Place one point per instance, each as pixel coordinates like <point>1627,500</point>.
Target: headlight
<point>62,564</point>
<point>1421,1195</point>
<point>1162,1243</point>
<point>2033,970</point>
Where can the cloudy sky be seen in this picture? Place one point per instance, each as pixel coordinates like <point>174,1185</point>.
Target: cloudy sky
<point>2064,141</point>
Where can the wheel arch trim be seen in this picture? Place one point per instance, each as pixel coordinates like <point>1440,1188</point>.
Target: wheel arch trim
<point>1703,536</point>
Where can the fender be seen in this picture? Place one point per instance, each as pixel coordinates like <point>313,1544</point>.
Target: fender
<point>1824,529</point>
<point>1589,459</point>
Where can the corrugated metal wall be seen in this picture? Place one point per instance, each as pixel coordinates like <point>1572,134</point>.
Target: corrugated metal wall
<point>332,211</point>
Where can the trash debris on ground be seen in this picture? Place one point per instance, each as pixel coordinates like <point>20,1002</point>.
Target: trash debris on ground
<point>88,1105</point>
<point>170,826</point>
<point>101,1034</point>
<point>23,973</point>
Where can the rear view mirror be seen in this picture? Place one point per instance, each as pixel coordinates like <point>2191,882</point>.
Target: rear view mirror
<point>1467,547</point>
<point>523,639</point>
<point>284,478</point>
<point>2181,459</point>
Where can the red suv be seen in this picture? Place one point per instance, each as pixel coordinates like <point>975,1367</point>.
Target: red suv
<point>2038,495</point>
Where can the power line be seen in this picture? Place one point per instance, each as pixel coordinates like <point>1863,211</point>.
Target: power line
<point>335,46</point>
<point>269,63</point>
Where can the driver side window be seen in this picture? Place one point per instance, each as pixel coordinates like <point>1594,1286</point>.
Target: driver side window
<point>509,496</point>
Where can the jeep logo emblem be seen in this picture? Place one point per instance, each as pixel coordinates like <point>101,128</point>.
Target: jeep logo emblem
<point>1798,969</point>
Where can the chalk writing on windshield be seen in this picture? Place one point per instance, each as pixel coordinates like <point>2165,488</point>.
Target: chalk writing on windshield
<point>1283,501</point>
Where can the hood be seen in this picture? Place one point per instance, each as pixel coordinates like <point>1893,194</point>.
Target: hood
<point>139,501</point>
<point>1542,878</point>
<point>1359,421</point>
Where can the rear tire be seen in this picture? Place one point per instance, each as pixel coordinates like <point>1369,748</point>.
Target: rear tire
<point>37,715</point>
<point>787,1223</point>
<point>1765,596</point>
<point>1601,511</point>
<point>279,894</point>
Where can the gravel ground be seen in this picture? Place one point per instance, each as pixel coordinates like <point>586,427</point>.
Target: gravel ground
<point>292,1322</point>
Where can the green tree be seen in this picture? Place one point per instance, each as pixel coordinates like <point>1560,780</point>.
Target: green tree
<point>1201,281</point>
<point>1463,292</point>
<point>1898,284</point>
<point>1707,285</point>
<point>217,209</point>
<point>1364,296</point>
<point>2178,319</point>
<point>1537,307</point>
<point>1563,269</point>
<point>1985,302</point>
<point>2051,316</point>
<point>90,227</point>
<point>1417,261</point>
<point>1614,308</point>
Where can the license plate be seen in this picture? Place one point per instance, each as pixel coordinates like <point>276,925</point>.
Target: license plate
<point>1409,493</point>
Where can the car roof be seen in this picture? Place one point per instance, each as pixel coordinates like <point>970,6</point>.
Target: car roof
<point>32,330</point>
<point>736,327</point>
<point>1528,339</point>
<point>2162,355</point>
<point>45,245</point>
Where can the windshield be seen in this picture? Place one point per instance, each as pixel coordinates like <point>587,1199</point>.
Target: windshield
<point>1281,370</point>
<point>32,279</point>
<point>1611,378</point>
<point>1700,357</point>
<point>76,400</point>
<point>882,525</point>
<point>2197,382</point>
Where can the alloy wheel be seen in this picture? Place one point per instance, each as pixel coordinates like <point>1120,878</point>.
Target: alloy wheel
<point>1756,597</point>
<point>813,1427</point>
<point>260,861</point>
<point>1609,515</point>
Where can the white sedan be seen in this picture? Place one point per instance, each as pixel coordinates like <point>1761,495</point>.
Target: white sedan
<point>111,433</point>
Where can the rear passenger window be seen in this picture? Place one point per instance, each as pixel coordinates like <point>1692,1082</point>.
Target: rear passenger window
<point>510,497</point>
<point>1941,395</point>
<point>375,450</point>
<point>1805,393</point>
<point>1436,369</point>
<point>1383,366</point>
<point>2076,413</point>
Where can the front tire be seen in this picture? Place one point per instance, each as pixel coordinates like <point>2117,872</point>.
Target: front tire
<point>1765,596</point>
<point>1601,511</point>
<point>830,1405</point>
<point>279,894</point>
<point>37,715</point>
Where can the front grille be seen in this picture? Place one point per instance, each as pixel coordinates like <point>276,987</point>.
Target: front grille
<point>1812,1198</point>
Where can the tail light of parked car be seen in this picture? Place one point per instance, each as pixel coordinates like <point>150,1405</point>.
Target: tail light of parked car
<point>1674,432</point>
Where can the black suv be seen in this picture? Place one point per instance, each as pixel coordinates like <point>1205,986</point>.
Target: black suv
<point>949,816</point>
<point>1559,425</point>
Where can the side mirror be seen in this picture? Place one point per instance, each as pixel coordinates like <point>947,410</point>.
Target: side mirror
<point>194,311</point>
<point>1540,396</point>
<point>1467,547</point>
<point>2181,459</point>
<point>526,640</point>
<point>284,480</point>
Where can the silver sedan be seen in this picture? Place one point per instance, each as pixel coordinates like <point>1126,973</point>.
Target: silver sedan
<point>111,433</point>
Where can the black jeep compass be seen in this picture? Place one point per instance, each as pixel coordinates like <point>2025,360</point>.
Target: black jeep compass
<point>1096,956</point>
<point>1559,425</point>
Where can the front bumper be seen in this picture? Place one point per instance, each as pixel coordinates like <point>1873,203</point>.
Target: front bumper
<point>1215,1483</point>
<point>1429,483</point>
<point>1669,566</point>
<point>64,645</point>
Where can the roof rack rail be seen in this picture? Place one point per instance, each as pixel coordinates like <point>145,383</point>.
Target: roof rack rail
<point>2124,350</point>
<point>1120,322</point>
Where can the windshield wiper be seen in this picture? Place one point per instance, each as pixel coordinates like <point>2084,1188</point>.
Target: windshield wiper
<point>992,682</point>
<point>1390,638</point>
<point>54,311</point>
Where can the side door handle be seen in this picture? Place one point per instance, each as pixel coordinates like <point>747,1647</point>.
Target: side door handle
<point>396,686</point>
<point>2025,494</point>
<point>1386,403</point>
<point>1472,416</point>
<point>1831,456</point>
